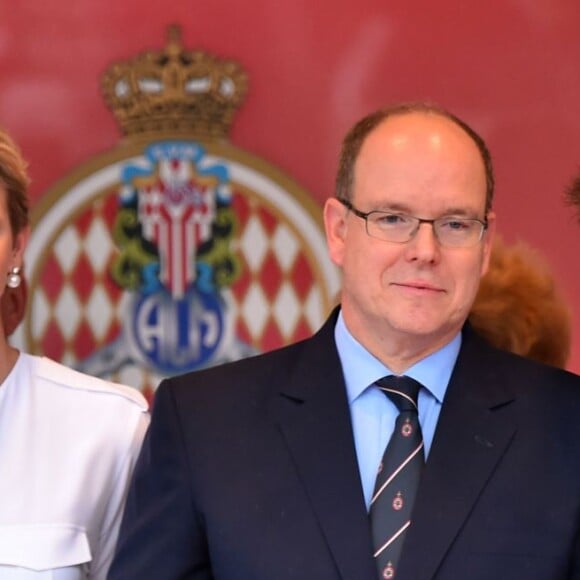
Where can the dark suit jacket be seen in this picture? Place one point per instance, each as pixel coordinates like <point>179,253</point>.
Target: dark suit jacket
<point>249,472</point>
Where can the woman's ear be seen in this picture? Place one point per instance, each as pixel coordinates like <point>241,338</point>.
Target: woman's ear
<point>20,243</point>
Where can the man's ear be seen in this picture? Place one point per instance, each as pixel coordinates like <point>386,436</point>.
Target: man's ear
<point>335,227</point>
<point>488,242</point>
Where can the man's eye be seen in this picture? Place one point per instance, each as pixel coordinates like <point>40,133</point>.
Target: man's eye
<point>456,224</point>
<point>391,219</point>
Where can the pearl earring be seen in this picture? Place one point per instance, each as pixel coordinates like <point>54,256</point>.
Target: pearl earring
<point>14,278</point>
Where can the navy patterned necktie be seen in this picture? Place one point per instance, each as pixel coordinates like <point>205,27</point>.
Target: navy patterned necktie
<point>398,477</point>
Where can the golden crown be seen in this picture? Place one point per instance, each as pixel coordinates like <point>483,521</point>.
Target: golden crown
<point>175,90</point>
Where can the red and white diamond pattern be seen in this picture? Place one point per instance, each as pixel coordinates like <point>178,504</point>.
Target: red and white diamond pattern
<point>76,308</point>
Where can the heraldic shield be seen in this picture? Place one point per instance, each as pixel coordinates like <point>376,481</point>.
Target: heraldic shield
<point>175,250</point>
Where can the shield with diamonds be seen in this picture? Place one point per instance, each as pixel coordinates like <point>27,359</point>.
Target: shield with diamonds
<point>175,250</point>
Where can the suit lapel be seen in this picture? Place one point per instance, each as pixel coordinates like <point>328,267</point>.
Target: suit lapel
<point>475,428</point>
<point>313,414</point>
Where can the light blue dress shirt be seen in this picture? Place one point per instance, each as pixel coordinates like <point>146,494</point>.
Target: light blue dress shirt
<point>372,414</point>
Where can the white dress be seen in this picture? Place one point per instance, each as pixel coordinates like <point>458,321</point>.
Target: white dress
<point>68,445</point>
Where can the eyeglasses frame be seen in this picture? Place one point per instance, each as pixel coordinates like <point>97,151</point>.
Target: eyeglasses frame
<point>365,215</point>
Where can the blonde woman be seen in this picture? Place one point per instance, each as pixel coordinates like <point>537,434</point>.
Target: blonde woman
<point>68,441</point>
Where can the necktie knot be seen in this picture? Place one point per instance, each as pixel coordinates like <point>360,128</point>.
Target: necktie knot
<point>402,390</point>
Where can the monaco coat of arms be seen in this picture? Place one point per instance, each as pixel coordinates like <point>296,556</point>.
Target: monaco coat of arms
<point>175,250</point>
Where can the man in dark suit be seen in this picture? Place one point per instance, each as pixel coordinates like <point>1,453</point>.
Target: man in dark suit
<point>265,469</point>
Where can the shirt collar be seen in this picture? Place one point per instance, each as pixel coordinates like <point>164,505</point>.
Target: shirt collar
<point>361,368</point>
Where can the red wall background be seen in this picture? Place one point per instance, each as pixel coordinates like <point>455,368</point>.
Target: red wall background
<point>511,68</point>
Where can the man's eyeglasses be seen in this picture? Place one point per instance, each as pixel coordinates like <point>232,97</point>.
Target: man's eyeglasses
<point>450,231</point>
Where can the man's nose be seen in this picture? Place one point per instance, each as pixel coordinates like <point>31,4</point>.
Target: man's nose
<point>424,246</point>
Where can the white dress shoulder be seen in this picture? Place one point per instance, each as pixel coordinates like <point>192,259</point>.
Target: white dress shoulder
<point>68,445</point>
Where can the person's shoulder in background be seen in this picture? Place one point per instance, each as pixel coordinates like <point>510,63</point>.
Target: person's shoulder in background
<point>51,371</point>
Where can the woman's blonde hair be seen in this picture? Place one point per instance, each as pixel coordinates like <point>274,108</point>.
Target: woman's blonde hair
<point>14,178</point>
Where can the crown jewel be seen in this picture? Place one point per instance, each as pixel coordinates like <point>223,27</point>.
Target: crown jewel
<point>175,90</point>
